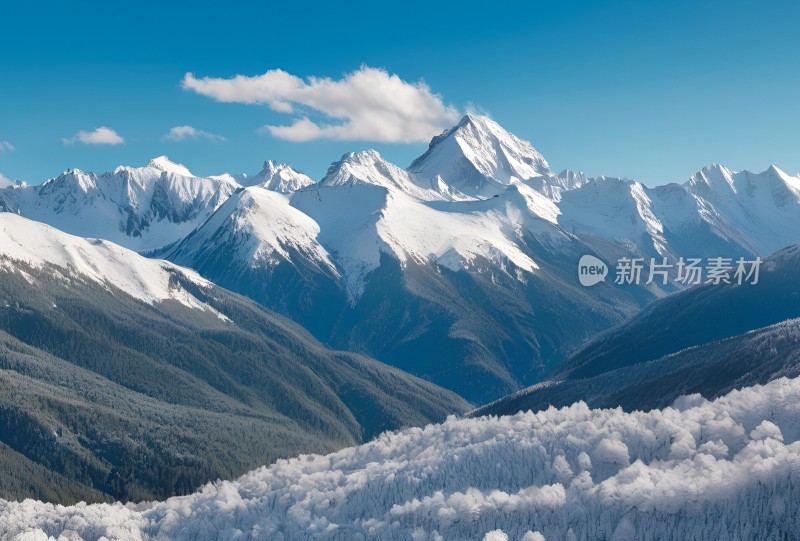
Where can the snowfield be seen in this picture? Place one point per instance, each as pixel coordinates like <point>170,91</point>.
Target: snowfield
<point>718,470</point>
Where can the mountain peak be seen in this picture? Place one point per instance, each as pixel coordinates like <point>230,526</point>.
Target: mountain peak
<point>279,177</point>
<point>163,163</point>
<point>776,171</point>
<point>363,156</point>
<point>369,167</point>
<point>479,121</point>
<point>71,179</point>
<point>711,176</point>
<point>364,166</point>
<point>478,157</point>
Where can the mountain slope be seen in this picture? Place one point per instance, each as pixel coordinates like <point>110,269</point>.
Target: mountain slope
<point>700,470</point>
<point>716,213</point>
<point>368,167</point>
<point>119,387</point>
<point>258,245</point>
<point>469,256</point>
<point>460,296</point>
<point>696,316</point>
<point>711,370</point>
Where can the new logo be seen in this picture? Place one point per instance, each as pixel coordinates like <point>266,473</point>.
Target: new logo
<point>591,270</point>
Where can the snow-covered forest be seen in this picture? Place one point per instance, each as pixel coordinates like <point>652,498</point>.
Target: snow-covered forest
<point>726,469</point>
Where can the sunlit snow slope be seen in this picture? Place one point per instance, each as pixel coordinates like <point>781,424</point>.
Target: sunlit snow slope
<point>99,261</point>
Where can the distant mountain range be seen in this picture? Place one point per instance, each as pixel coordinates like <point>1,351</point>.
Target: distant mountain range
<point>460,269</point>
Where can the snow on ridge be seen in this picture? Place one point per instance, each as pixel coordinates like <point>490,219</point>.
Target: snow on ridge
<point>760,210</point>
<point>163,163</point>
<point>369,167</point>
<point>139,207</point>
<point>379,220</point>
<point>698,470</point>
<point>259,226</point>
<point>478,156</point>
<point>100,261</point>
<point>278,177</point>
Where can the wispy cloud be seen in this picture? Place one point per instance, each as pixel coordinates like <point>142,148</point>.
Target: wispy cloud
<point>179,133</point>
<point>5,181</point>
<point>368,104</point>
<point>5,146</point>
<point>99,136</point>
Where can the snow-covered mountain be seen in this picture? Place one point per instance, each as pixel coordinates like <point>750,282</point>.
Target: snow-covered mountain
<point>258,226</point>
<point>368,167</point>
<point>456,281</point>
<point>138,207</point>
<point>698,470</point>
<point>478,157</point>
<point>758,210</point>
<point>277,177</point>
<point>361,220</point>
<point>716,212</point>
<point>142,208</point>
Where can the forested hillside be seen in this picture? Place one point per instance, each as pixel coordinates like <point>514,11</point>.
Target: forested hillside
<point>140,400</point>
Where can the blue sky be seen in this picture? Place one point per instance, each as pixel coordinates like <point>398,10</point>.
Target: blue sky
<point>648,90</point>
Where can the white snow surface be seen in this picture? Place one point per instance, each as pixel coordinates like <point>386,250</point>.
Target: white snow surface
<point>698,470</point>
<point>612,208</point>
<point>100,261</point>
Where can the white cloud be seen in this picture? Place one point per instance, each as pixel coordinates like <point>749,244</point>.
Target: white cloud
<point>5,181</point>
<point>5,146</point>
<point>179,133</point>
<point>99,136</point>
<point>368,104</point>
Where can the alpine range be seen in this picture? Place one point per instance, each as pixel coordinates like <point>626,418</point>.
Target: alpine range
<point>359,304</point>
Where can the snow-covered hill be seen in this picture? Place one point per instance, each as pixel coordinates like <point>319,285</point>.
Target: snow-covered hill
<point>695,471</point>
<point>716,212</point>
<point>385,220</point>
